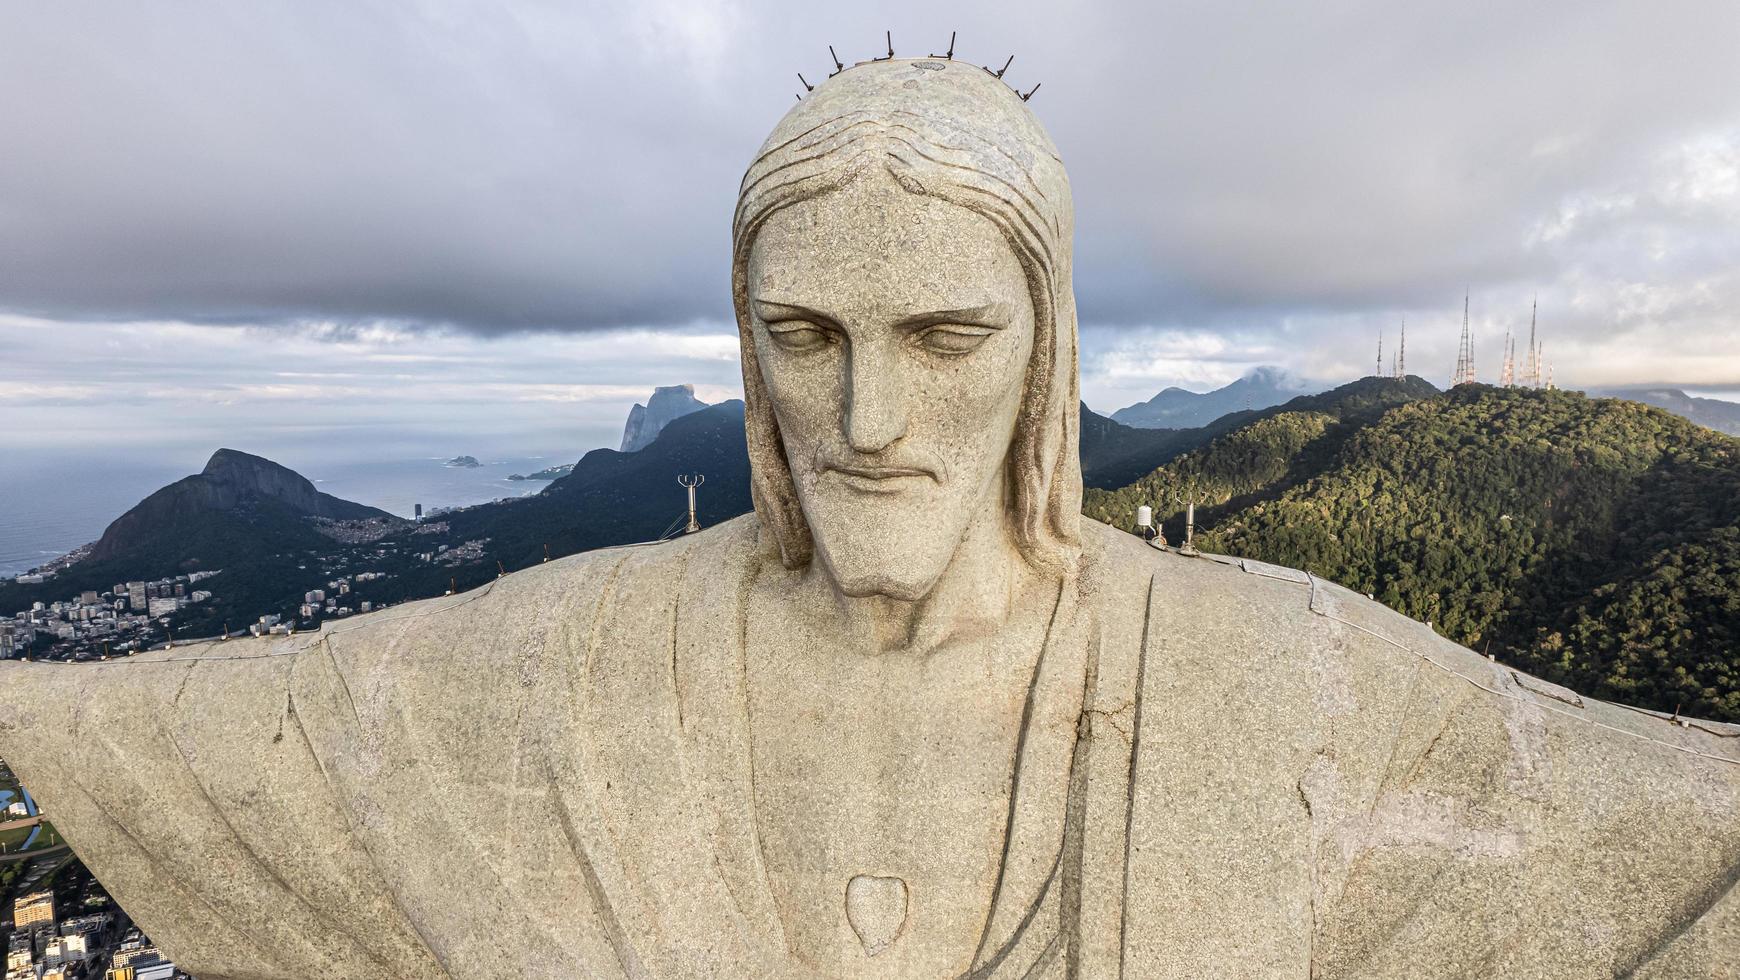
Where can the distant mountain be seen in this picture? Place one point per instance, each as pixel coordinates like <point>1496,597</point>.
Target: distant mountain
<point>666,405</point>
<point>465,462</point>
<point>613,497</point>
<point>1713,413</point>
<point>263,525</point>
<point>1595,542</point>
<point>238,504</point>
<point>1176,408</point>
<point>1113,454</point>
<point>1116,453</point>
<point>1247,447</point>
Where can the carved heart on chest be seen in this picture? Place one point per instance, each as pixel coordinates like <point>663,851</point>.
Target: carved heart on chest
<point>876,908</point>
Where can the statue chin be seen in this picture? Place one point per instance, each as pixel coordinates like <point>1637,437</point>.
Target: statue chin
<point>868,564</point>
<point>896,545</point>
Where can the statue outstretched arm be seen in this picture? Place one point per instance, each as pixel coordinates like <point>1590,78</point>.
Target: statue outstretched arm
<point>1385,802</point>
<point>408,794</point>
<point>185,779</point>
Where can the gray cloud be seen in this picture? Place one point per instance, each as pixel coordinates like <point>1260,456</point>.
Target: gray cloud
<point>1288,178</point>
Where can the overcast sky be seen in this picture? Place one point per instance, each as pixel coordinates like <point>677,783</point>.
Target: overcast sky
<point>513,217</point>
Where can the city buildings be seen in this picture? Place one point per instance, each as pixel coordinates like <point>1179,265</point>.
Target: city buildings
<point>36,908</point>
<point>91,624</point>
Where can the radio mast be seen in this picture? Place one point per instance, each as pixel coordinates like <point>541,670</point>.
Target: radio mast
<point>1465,353</point>
<point>1532,370</point>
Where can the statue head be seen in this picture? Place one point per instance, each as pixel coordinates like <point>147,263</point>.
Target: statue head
<point>901,275</point>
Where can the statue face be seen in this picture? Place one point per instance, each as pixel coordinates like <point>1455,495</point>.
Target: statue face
<point>893,331</point>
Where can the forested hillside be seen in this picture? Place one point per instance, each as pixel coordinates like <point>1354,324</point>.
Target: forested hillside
<point>1250,452</point>
<point>1593,541</point>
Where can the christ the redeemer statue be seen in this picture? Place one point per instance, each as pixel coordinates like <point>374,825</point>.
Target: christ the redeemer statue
<point>914,716</point>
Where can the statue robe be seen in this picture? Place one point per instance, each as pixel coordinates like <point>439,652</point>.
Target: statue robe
<point>1263,774</point>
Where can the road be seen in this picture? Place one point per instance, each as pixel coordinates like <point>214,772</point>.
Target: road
<point>32,854</point>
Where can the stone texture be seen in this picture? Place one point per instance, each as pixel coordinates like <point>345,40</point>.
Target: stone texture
<point>667,404</point>
<point>1079,756</point>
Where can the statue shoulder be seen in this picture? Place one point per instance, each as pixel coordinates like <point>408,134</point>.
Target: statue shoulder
<point>526,610</point>
<point>1242,611</point>
<point>535,616</point>
<point>1206,588</point>
<point>1399,758</point>
<point>41,700</point>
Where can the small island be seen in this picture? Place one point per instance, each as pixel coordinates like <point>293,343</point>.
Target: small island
<point>469,462</point>
<point>552,473</point>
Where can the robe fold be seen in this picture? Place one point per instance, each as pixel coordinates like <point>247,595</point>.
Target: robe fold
<point>1267,775</point>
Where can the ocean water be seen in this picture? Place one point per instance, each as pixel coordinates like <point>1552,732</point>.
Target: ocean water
<point>53,501</point>
<point>51,504</point>
<point>398,485</point>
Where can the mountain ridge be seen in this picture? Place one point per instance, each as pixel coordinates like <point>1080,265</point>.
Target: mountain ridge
<point>1180,408</point>
<point>1713,413</point>
<point>233,484</point>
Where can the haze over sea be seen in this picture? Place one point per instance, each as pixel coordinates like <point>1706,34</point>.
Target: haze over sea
<point>53,499</point>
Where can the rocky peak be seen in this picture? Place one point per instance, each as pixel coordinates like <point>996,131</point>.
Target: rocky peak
<point>667,404</point>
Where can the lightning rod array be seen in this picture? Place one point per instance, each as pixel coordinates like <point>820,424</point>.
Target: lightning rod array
<point>949,55</point>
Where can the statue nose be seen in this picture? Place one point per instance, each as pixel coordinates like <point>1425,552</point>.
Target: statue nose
<point>876,402</point>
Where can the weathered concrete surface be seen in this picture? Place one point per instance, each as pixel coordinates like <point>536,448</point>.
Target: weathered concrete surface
<point>561,777</point>
<point>912,718</point>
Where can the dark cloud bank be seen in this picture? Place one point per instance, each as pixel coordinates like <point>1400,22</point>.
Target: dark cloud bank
<point>1299,173</point>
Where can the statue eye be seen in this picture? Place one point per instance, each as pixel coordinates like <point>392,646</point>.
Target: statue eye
<point>798,335</point>
<point>954,338</point>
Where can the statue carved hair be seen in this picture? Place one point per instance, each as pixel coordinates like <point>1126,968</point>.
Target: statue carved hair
<point>952,131</point>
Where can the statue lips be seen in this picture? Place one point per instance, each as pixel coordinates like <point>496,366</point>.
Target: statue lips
<point>891,471</point>
<point>879,479</point>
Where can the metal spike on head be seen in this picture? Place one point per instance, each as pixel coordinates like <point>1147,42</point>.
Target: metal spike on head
<point>950,55</point>
<point>889,36</point>
<point>807,86</point>
<point>1030,91</point>
<point>838,65</point>
<point>999,72</point>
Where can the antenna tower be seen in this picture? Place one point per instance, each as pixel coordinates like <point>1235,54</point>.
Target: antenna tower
<point>1507,377</point>
<point>1402,355</point>
<point>1532,370</point>
<point>1465,353</point>
<point>1380,358</point>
